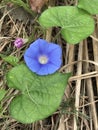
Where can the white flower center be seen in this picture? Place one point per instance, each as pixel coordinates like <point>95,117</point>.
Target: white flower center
<point>43,59</point>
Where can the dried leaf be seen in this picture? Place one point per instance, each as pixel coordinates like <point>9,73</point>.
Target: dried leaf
<point>36,5</point>
<point>24,16</point>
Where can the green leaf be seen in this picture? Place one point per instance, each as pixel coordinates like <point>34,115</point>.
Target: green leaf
<point>75,23</point>
<point>40,95</point>
<point>89,5</point>
<point>11,60</point>
<point>2,94</point>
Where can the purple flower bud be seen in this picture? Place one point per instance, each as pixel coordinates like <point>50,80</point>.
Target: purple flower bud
<point>19,42</point>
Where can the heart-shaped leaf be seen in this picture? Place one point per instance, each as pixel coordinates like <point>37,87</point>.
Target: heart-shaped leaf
<point>40,95</point>
<point>75,23</point>
<point>89,5</point>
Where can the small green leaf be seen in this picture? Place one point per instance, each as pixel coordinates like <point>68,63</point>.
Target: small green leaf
<point>75,23</point>
<point>2,94</point>
<point>11,60</point>
<point>40,96</point>
<point>89,5</point>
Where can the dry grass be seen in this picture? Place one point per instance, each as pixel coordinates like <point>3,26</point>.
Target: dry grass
<point>79,110</point>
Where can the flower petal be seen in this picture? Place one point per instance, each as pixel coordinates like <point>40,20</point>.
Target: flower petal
<point>57,52</point>
<point>43,70</point>
<point>56,61</point>
<point>55,57</point>
<point>52,68</point>
<point>32,52</point>
<point>53,46</point>
<point>32,64</point>
<point>41,44</point>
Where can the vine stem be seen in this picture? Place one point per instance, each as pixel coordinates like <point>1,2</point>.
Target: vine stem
<point>49,30</point>
<point>76,2</point>
<point>48,34</point>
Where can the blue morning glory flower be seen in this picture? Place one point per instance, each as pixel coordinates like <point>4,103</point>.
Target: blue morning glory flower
<point>43,58</point>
